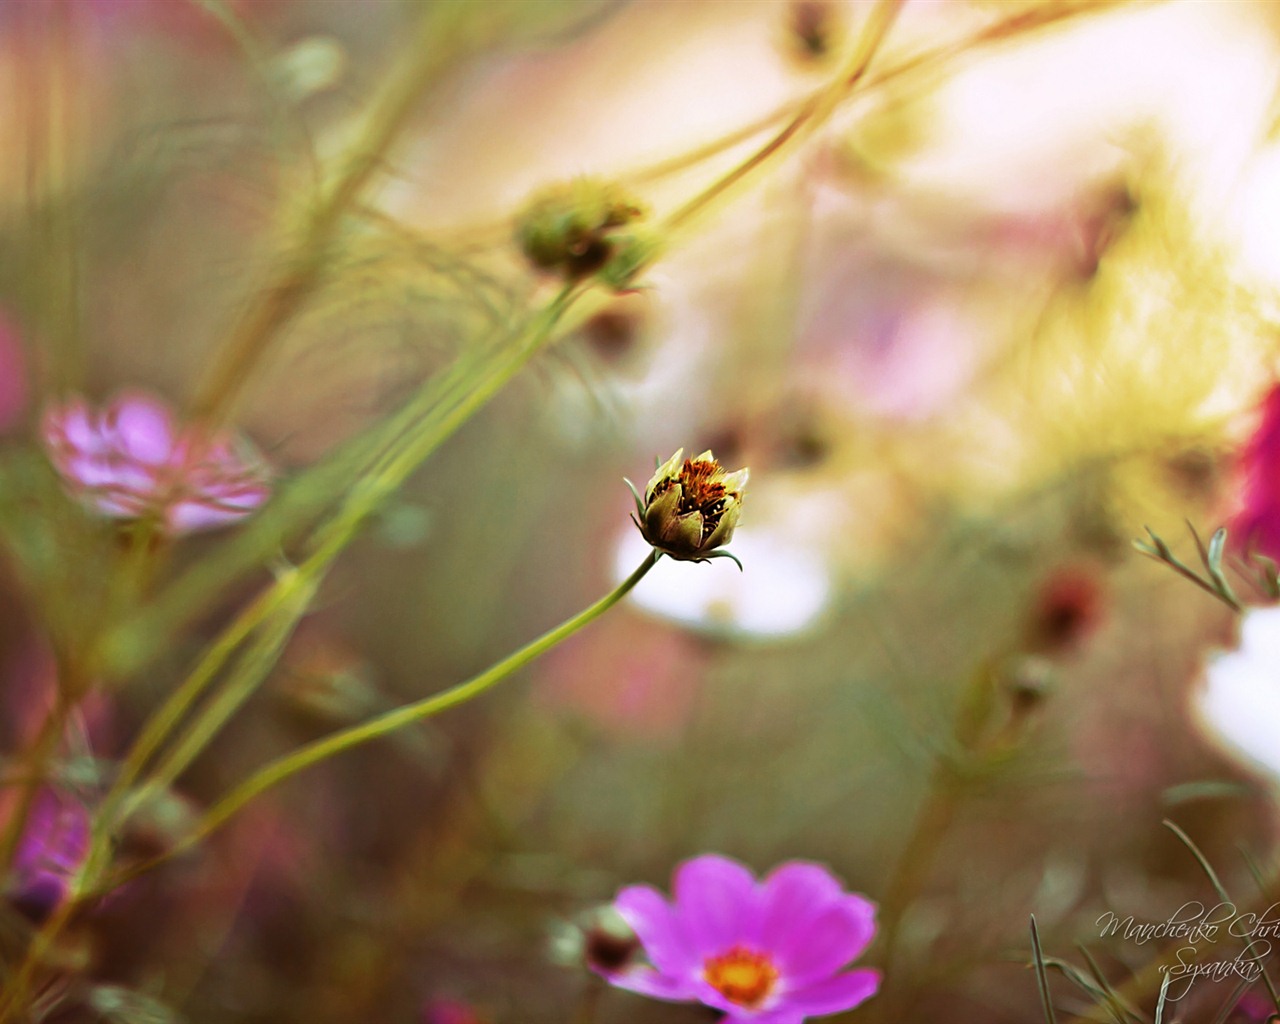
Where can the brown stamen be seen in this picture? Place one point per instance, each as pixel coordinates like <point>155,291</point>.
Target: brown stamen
<point>701,492</point>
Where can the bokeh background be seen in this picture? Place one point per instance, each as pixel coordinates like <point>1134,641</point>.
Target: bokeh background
<point>1010,305</point>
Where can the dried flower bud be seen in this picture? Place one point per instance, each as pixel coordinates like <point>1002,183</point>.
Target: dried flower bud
<point>690,507</point>
<point>813,28</point>
<point>608,943</point>
<point>571,229</point>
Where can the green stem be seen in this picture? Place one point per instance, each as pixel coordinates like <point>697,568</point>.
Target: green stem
<point>912,873</point>
<point>437,43</point>
<point>167,717</point>
<point>252,668</point>
<point>452,409</point>
<point>812,113</point>
<point>323,749</point>
<point>42,943</point>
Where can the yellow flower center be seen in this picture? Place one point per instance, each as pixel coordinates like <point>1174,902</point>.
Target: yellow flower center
<point>741,975</point>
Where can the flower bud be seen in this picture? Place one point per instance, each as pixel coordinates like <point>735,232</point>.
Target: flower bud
<point>608,942</point>
<point>570,230</point>
<point>690,507</point>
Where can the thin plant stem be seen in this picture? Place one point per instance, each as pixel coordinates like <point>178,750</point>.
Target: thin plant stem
<point>375,728</point>
<point>381,479</point>
<point>33,773</point>
<point>456,407</point>
<point>589,1002</point>
<point>427,55</point>
<point>15,994</point>
<point>812,113</point>
<point>1149,977</point>
<point>1006,28</point>
<point>932,823</point>
<point>253,666</point>
<point>166,718</point>
<point>1042,978</point>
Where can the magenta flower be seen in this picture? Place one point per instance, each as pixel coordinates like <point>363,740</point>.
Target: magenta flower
<point>1258,522</point>
<point>766,952</point>
<point>132,461</point>
<point>54,842</point>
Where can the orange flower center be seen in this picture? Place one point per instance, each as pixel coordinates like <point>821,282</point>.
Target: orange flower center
<point>700,491</point>
<point>741,975</point>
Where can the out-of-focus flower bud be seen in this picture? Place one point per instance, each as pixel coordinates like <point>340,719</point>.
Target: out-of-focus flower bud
<point>599,939</point>
<point>572,228</point>
<point>813,29</point>
<point>1066,609</point>
<point>690,507</point>
<point>608,943</point>
<point>54,843</point>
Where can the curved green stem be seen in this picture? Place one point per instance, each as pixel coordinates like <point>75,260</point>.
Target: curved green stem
<point>435,46</point>
<point>326,747</point>
<point>812,113</point>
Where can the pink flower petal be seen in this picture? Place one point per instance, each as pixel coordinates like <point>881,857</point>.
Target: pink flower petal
<point>792,896</point>
<point>661,933</point>
<point>193,516</point>
<point>144,428</point>
<point>832,995</point>
<point>718,902</point>
<point>830,940</point>
<point>69,427</point>
<point>649,982</point>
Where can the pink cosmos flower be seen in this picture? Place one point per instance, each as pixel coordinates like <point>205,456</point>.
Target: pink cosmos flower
<point>767,952</point>
<point>132,461</point>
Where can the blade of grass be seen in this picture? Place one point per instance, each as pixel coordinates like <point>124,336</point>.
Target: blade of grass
<point>1200,859</point>
<point>1042,977</point>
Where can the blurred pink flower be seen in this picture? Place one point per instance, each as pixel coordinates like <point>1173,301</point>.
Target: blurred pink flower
<point>1257,524</point>
<point>131,461</point>
<point>766,952</point>
<point>1252,1008</point>
<point>54,842</point>
<point>1066,608</point>
<point>450,1011</point>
